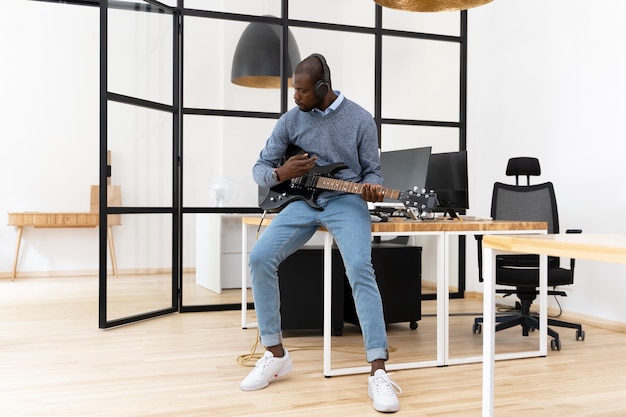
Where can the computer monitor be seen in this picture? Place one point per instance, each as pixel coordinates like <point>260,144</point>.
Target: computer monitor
<point>447,176</point>
<point>405,169</point>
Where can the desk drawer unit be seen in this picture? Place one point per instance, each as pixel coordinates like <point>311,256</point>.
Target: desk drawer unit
<point>399,275</point>
<point>301,280</point>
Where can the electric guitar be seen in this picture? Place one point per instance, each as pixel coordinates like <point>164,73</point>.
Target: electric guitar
<point>309,186</point>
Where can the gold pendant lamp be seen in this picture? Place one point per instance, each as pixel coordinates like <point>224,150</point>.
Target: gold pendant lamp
<point>431,5</point>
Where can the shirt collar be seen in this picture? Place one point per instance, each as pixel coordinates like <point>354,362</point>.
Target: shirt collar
<point>332,107</point>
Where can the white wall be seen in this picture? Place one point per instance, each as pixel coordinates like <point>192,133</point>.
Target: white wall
<point>48,129</point>
<point>547,79</point>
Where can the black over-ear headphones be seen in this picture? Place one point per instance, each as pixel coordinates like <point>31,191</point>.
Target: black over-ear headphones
<point>322,87</point>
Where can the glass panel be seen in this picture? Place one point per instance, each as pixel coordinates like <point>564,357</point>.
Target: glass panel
<point>427,73</point>
<point>248,7</point>
<point>345,12</point>
<point>140,141</point>
<point>218,155</point>
<point>207,69</point>
<point>442,139</point>
<point>434,23</point>
<point>140,55</point>
<point>143,244</point>
<point>349,57</point>
<point>212,259</point>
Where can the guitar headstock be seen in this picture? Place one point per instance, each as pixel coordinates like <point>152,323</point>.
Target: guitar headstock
<point>424,201</point>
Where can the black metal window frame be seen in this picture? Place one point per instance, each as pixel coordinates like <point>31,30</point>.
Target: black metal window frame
<point>178,111</point>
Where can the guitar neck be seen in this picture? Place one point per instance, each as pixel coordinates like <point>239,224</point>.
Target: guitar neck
<point>333,184</point>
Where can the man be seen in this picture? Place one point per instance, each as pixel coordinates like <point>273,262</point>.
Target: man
<point>329,128</point>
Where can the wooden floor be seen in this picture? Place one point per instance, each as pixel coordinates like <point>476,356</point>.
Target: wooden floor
<point>54,361</point>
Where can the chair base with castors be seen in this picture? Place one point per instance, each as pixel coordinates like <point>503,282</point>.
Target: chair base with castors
<point>530,322</point>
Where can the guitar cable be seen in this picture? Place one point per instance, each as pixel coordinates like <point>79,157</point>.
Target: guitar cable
<point>258,230</point>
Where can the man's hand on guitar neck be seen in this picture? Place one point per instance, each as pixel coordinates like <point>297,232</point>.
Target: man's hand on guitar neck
<point>296,166</point>
<point>372,193</point>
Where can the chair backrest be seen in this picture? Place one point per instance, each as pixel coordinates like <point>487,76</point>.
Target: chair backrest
<point>536,203</point>
<point>526,203</point>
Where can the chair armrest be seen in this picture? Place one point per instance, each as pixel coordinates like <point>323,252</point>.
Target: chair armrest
<point>479,246</point>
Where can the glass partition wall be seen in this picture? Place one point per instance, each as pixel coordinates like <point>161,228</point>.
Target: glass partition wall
<point>139,136</point>
<point>183,138</point>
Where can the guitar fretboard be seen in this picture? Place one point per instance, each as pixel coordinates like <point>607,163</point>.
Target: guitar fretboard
<point>333,184</point>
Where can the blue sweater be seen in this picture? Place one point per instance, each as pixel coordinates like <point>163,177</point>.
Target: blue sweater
<point>347,135</point>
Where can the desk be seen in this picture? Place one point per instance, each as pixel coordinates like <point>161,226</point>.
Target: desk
<point>595,247</point>
<point>442,230</point>
<point>60,220</point>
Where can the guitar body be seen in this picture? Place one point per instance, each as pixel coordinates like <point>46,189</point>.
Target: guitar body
<point>301,188</point>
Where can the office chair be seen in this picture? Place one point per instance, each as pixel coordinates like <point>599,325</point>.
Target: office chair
<point>527,203</point>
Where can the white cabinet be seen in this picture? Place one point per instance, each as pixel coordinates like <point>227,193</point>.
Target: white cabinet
<point>218,251</point>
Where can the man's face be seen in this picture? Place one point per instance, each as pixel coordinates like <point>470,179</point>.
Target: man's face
<point>303,94</point>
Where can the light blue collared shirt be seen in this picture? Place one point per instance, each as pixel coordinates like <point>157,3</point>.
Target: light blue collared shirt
<point>332,107</point>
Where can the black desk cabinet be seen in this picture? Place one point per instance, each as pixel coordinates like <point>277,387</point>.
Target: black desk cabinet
<point>301,277</point>
<point>399,275</point>
<point>301,280</point>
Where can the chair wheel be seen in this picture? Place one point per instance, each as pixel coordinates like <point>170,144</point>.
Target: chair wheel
<point>555,344</point>
<point>580,335</point>
<point>477,328</point>
<point>413,325</point>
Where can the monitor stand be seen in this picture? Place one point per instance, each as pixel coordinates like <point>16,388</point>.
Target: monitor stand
<point>450,212</point>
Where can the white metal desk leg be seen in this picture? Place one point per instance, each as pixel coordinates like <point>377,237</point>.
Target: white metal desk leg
<point>489,331</point>
<point>443,303</point>
<point>328,260</point>
<point>543,305</point>
<point>244,276</point>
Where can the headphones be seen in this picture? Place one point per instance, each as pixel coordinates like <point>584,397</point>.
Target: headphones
<point>322,87</point>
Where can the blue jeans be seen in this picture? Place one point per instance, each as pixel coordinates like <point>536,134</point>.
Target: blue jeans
<point>347,218</point>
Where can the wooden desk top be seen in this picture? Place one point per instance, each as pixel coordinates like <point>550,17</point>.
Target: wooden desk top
<point>62,219</point>
<point>435,225</point>
<point>455,226</point>
<point>595,247</point>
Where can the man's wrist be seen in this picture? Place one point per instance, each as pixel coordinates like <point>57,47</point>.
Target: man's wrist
<point>275,175</point>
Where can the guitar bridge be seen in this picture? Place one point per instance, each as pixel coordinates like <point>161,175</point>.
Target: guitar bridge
<point>307,181</point>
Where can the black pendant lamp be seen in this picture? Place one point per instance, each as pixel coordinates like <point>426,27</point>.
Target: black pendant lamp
<point>431,5</point>
<point>257,58</point>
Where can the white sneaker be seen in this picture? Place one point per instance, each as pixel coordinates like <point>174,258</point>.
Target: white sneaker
<point>266,370</point>
<point>382,390</point>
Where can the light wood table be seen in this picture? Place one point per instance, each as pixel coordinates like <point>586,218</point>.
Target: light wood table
<point>60,220</point>
<point>441,230</point>
<point>594,247</point>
